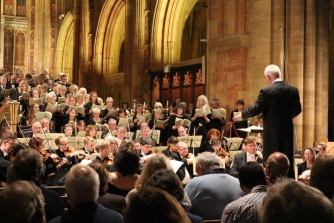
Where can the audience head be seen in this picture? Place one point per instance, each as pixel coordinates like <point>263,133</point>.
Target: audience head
<point>28,165</point>
<point>82,175</point>
<point>156,162</point>
<point>250,175</point>
<point>207,161</point>
<point>277,166</point>
<point>291,201</point>
<point>168,181</point>
<point>154,205</point>
<point>322,174</point>
<point>126,162</point>
<point>22,201</point>
<point>103,176</point>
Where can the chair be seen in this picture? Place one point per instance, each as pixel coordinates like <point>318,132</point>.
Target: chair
<point>212,221</point>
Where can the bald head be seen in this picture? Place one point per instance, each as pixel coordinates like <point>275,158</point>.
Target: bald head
<point>277,165</point>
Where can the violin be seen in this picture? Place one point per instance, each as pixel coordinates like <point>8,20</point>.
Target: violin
<point>109,159</point>
<point>45,155</point>
<point>222,152</point>
<point>69,150</point>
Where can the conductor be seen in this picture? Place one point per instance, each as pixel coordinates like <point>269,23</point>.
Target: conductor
<point>279,103</point>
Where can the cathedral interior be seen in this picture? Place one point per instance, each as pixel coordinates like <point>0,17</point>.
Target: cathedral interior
<point>161,50</point>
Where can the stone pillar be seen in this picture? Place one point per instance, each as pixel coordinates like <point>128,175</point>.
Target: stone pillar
<point>76,39</point>
<point>128,48</point>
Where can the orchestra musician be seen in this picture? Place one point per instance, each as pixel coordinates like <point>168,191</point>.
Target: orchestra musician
<point>145,149</point>
<point>206,145</point>
<point>102,147</point>
<point>67,157</point>
<point>36,143</point>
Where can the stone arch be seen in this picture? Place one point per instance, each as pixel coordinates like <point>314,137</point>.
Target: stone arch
<point>168,22</point>
<point>109,37</point>
<point>64,50</point>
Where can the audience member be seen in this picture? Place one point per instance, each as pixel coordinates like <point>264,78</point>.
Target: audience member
<point>111,201</point>
<point>253,183</point>
<point>21,201</point>
<point>213,189</point>
<point>154,205</point>
<point>277,166</point>
<point>168,181</point>
<point>322,175</point>
<point>28,165</point>
<point>294,202</point>
<point>83,199</point>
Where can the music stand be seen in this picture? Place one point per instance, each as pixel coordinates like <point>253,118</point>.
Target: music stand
<point>73,140</point>
<point>24,141</point>
<point>138,134</point>
<point>191,141</point>
<point>82,133</point>
<point>234,143</point>
<point>129,135</point>
<point>156,135</point>
<point>49,139</point>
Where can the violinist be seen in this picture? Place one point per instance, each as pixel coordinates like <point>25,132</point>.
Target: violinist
<point>89,146</point>
<point>7,143</point>
<point>36,143</point>
<point>219,151</point>
<point>146,148</point>
<point>206,145</point>
<point>102,147</point>
<point>67,158</point>
<point>88,149</point>
<point>114,144</point>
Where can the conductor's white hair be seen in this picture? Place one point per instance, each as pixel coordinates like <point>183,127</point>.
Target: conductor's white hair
<point>272,70</point>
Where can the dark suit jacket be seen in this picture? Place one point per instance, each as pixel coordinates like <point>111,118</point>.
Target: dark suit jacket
<point>4,163</point>
<point>239,160</point>
<point>89,212</point>
<point>279,103</point>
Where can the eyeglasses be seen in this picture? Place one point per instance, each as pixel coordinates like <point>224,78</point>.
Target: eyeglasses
<point>63,144</point>
<point>11,143</point>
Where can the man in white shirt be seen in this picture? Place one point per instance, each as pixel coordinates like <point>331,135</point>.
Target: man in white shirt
<point>249,155</point>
